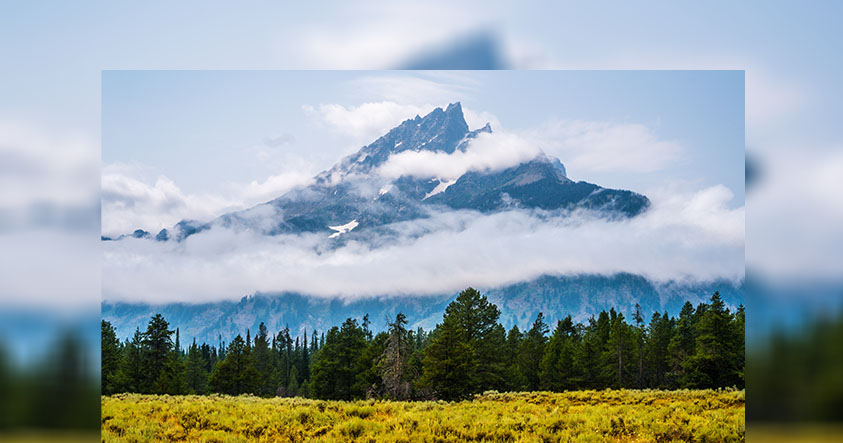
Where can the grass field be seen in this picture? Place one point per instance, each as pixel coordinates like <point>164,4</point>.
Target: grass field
<point>588,416</point>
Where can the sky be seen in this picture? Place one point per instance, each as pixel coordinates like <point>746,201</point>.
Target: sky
<point>54,54</point>
<point>195,144</point>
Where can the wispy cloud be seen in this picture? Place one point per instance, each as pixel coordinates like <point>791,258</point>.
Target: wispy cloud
<point>367,121</point>
<point>487,152</point>
<point>588,146</point>
<point>440,254</point>
<point>416,89</point>
<point>134,197</point>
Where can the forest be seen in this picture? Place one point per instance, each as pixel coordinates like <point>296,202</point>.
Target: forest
<point>467,353</point>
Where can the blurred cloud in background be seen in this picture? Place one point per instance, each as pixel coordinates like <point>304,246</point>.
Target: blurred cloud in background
<point>52,55</point>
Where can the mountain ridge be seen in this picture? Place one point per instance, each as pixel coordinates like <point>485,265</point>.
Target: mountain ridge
<point>353,191</point>
<point>555,296</point>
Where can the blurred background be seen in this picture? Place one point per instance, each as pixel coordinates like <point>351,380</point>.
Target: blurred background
<point>52,54</point>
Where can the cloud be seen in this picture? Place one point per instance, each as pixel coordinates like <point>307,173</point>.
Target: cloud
<point>583,146</point>
<point>39,167</point>
<point>279,140</point>
<point>478,119</point>
<point>49,218</point>
<point>797,212</point>
<point>440,254</point>
<point>435,87</point>
<point>134,197</point>
<point>487,152</point>
<point>382,35</point>
<point>368,121</point>
<point>588,146</point>
<point>272,187</point>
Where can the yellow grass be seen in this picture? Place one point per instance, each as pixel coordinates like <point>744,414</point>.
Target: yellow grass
<point>583,416</point>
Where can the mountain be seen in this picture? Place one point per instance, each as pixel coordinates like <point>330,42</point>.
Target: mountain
<point>554,296</point>
<point>353,196</point>
<point>354,200</point>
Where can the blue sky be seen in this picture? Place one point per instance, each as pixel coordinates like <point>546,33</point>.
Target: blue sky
<point>54,54</point>
<point>210,130</point>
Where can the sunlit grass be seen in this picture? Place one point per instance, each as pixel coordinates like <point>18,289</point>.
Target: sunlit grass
<point>588,416</point>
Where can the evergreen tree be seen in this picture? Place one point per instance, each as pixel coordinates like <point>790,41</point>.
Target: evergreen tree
<point>132,375</point>
<point>740,343</point>
<point>334,374</point>
<point>478,318</point>
<point>639,334</point>
<point>366,327</point>
<point>293,387</point>
<point>619,362</point>
<point>532,349</point>
<point>394,368</point>
<point>160,367</point>
<point>449,362</point>
<point>236,374</point>
<point>263,363</point>
<point>557,364</point>
<point>514,379</point>
<point>714,362</point>
<point>369,380</point>
<point>682,345</point>
<point>468,352</point>
<point>111,359</point>
<point>656,352</point>
<point>196,374</point>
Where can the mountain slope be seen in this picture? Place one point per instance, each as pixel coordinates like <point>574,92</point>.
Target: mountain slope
<point>354,192</point>
<point>554,296</point>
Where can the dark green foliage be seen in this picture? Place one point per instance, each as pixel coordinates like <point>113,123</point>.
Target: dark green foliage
<point>557,365</point>
<point>478,320</point>
<point>619,354</point>
<point>715,361</point>
<point>532,351</point>
<point>513,378</point>
<point>264,363</point>
<point>236,374</point>
<point>111,355</point>
<point>335,371</point>
<point>449,363</point>
<point>657,357</point>
<point>468,353</point>
<point>195,371</point>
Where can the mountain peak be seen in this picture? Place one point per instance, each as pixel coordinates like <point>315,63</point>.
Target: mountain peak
<point>455,107</point>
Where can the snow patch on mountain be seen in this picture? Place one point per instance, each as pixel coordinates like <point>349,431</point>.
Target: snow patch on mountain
<point>440,188</point>
<point>342,229</point>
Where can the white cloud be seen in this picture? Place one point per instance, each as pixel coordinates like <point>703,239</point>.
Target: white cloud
<point>796,217</point>
<point>437,87</point>
<point>368,121</point>
<point>478,119</point>
<point>440,254</point>
<point>53,269</point>
<point>583,146</point>
<point>272,187</point>
<point>134,198</point>
<point>487,152</point>
<point>40,167</point>
<point>383,35</point>
<point>588,146</point>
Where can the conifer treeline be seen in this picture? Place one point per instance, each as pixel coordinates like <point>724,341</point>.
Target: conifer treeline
<point>469,352</point>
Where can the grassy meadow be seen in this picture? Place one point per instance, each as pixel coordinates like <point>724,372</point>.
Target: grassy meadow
<point>587,416</point>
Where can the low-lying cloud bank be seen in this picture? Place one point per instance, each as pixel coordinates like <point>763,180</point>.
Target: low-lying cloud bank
<point>487,152</point>
<point>132,199</point>
<point>693,237</point>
